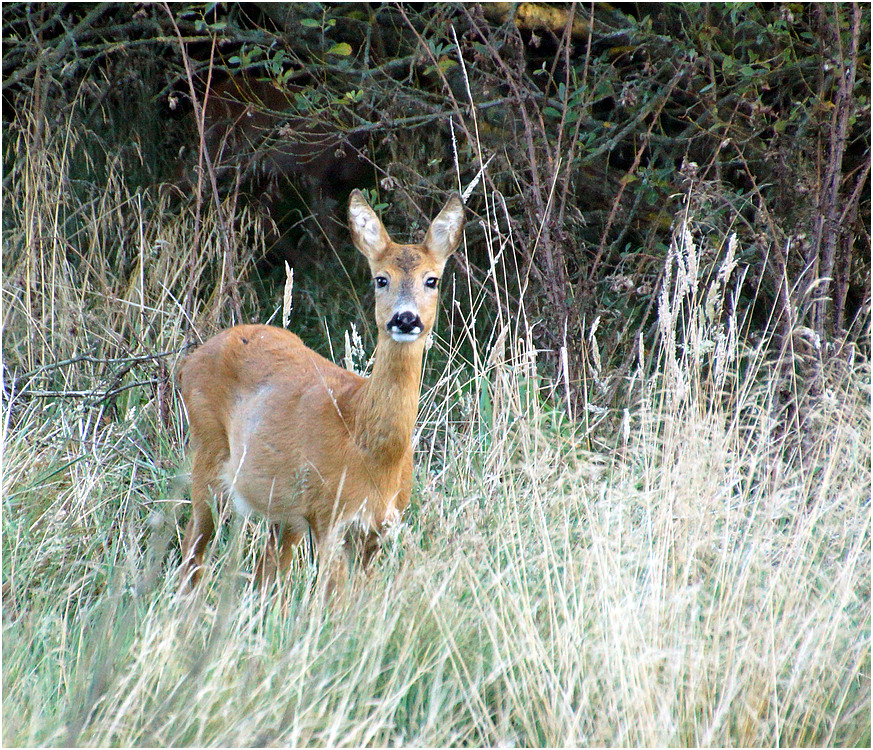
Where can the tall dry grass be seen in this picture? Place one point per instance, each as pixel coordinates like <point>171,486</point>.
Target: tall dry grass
<point>700,575</point>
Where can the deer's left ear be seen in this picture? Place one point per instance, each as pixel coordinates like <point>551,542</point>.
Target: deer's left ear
<point>368,232</point>
<point>444,234</point>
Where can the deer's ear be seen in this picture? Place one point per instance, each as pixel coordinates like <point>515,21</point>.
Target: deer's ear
<point>368,233</point>
<point>444,234</point>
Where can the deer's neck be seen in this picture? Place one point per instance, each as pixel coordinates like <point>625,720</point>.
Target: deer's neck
<point>388,403</point>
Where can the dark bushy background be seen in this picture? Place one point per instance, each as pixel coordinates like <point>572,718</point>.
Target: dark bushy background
<point>597,131</point>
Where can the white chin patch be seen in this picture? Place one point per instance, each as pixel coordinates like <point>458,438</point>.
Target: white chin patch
<point>405,338</point>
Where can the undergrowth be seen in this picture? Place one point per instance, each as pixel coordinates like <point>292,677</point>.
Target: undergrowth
<point>699,573</point>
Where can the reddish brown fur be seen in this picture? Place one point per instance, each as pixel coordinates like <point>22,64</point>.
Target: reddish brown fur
<point>301,441</point>
<point>248,125</point>
<point>255,140</point>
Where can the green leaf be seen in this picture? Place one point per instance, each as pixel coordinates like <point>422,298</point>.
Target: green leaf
<point>343,48</point>
<point>443,65</point>
<point>310,23</point>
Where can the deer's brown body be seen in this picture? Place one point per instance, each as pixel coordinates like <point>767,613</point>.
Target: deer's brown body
<point>292,437</point>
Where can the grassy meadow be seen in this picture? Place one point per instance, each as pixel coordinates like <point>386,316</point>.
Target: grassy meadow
<point>686,564</point>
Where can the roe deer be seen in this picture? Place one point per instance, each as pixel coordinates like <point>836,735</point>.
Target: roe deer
<point>251,125</point>
<point>254,133</point>
<point>293,437</point>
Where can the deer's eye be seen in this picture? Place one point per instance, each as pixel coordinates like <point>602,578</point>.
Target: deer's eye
<point>431,282</point>
<point>381,282</point>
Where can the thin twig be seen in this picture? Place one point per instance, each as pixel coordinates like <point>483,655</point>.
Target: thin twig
<point>91,359</point>
<point>97,396</point>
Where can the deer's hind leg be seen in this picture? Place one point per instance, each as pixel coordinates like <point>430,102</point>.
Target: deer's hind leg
<point>205,486</point>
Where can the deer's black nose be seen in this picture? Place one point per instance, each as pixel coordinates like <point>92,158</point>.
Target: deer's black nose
<point>405,323</point>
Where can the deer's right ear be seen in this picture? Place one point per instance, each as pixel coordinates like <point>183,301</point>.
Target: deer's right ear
<point>444,234</point>
<point>368,233</point>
